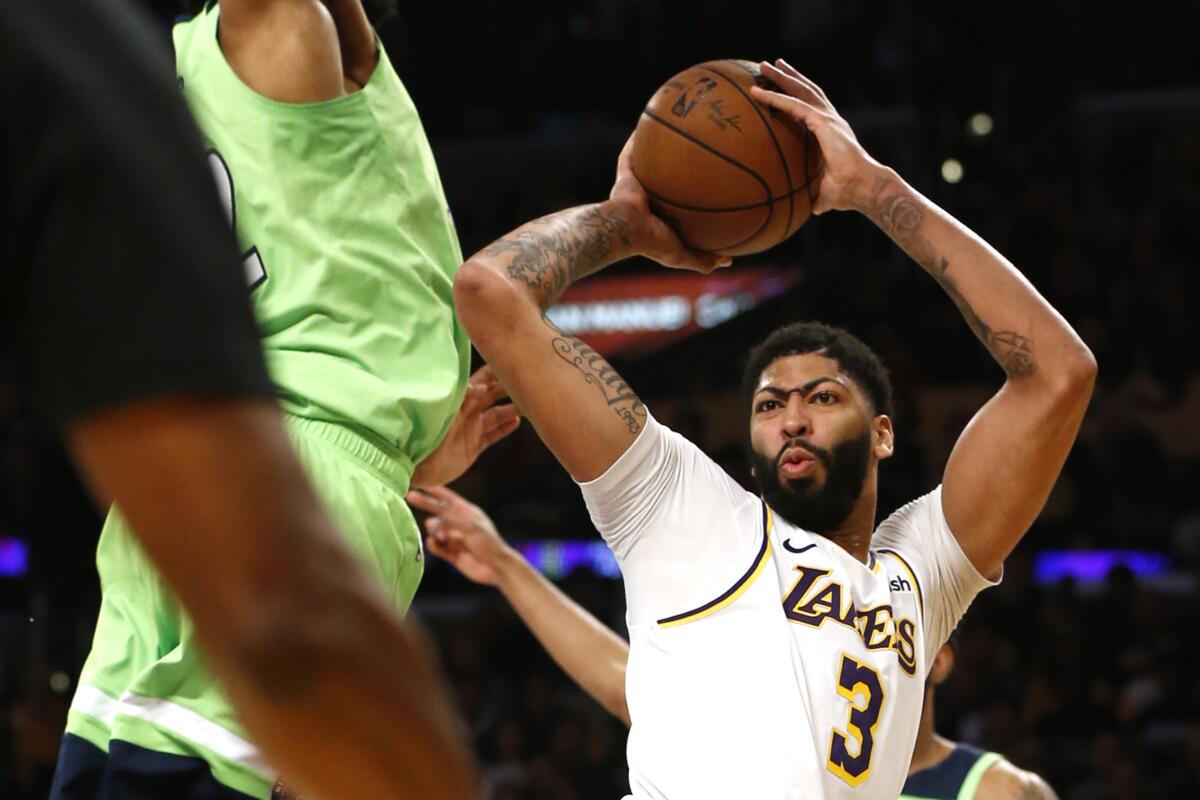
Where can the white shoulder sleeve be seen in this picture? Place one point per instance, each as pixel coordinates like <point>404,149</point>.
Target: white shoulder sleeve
<point>682,530</point>
<point>947,580</point>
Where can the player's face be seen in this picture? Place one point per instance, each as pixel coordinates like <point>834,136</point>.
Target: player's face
<point>810,432</point>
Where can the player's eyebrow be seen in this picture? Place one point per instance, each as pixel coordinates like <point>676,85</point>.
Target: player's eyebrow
<point>804,390</point>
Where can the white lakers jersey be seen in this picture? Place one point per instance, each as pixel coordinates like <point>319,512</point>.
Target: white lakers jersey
<point>766,662</point>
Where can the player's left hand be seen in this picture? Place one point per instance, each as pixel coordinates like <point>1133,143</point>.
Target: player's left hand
<point>849,179</point>
<point>479,424</point>
<point>649,235</point>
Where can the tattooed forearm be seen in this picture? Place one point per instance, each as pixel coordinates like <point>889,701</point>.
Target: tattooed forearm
<point>597,372</point>
<point>901,216</point>
<point>551,253</point>
<point>1013,351</point>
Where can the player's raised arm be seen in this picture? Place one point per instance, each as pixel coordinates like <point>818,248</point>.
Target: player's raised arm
<point>289,50</point>
<point>1007,460</point>
<point>584,647</point>
<point>582,409</point>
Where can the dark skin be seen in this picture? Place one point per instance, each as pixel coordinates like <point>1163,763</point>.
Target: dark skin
<point>807,396</point>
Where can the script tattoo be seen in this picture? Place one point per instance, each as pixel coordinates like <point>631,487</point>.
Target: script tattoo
<point>553,252</point>
<point>597,372</point>
<point>900,217</point>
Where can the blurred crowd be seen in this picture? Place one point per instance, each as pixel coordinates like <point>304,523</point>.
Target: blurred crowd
<point>1087,181</point>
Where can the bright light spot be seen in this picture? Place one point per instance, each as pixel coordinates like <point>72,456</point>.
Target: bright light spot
<point>980,124</point>
<point>59,682</point>
<point>952,170</point>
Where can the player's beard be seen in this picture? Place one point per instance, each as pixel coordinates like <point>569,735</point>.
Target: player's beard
<point>820,509</point>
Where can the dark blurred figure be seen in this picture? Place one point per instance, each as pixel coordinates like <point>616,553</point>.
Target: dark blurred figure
<point>124,317</point>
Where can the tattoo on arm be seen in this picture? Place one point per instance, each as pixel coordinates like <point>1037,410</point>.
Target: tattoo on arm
<point>900,217</point>
<point>551,253</point>
<point>597,372</point>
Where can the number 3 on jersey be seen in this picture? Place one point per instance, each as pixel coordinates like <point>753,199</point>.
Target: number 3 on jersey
<point>860,685</point>
<point>252,263</point>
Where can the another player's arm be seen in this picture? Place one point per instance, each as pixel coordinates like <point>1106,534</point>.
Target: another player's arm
<point>1005,463</point>
<point>293,50</point>
<point>1004,781</point>
<point>582,409</point>
<point>585,648</point>
<point>479,424</point>
<point>343,698</point>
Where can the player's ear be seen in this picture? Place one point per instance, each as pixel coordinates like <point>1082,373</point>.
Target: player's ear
<point>943,664</point>
<point>883,438</point>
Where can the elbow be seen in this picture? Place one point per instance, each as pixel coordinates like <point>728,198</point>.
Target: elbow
<point>480,295</point>
<point>1077,377</point>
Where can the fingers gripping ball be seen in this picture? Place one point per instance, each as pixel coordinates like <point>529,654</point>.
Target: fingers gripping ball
<point>730,175</point>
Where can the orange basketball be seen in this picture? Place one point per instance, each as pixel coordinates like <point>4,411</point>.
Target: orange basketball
<point>729,174</point>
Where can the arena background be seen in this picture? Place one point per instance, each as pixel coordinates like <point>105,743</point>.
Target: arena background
<point>1082,664</point>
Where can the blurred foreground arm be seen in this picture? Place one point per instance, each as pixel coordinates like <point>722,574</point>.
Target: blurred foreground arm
<point>342,697</point>
<point>589,652</point>
<point>131,318</point>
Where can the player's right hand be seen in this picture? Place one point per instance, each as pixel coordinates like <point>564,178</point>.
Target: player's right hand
<point>649,235</point>
<point>461,533</point>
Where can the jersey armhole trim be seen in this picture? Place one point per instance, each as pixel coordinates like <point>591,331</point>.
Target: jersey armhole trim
<point>970,784</point>
<point>911,574</point>
<point>733,592</point>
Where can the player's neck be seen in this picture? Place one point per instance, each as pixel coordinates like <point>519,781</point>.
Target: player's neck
<point>930,749</point>
<point>854,535</point>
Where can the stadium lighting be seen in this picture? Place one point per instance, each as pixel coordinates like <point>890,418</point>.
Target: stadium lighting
<point>980,124</point>
<point>952,170</point>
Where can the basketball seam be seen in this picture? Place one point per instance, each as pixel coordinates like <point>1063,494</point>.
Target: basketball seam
<point>787,172</point>
<point>720,209</point>
<point>766,187</point>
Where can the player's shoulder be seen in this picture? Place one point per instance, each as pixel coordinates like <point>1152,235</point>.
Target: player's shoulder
<point>1005,781</point>
<point>287,51</point>
<point>658,450</point>
<point>914,518</point>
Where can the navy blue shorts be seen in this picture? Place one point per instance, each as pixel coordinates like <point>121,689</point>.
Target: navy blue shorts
<point>129,772</point>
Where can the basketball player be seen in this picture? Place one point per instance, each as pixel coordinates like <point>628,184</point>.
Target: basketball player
<point>124,321</point>
<point>349,254</point>
<point>731,692</point>
<point>946,770</point>
<point>596,658</point>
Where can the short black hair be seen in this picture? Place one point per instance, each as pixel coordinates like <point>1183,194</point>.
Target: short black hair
<point>800,338</point>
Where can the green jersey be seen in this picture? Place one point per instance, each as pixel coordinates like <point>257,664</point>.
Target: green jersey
<point>350,256</point>
<point>348,245</point>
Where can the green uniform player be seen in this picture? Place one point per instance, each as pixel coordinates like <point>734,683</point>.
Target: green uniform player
<point>945,770</point>
<point>350,255</point>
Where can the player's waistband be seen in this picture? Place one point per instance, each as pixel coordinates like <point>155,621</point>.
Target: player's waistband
<point>394,468</point>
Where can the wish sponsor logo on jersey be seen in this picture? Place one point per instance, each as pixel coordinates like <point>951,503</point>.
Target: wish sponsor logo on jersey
<point>816,598</point>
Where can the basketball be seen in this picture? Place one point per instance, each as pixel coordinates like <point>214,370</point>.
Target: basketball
<point>730,175</point>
